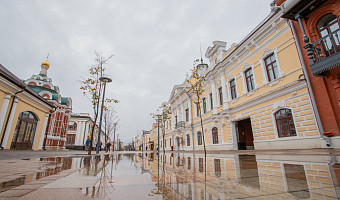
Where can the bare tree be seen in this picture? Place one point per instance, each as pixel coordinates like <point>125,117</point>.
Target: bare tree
<point>111,124</point>
<point>93,88</point>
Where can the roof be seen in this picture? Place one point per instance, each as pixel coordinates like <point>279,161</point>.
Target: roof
<point>18,82</point>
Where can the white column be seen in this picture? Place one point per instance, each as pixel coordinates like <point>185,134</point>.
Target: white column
<point>178,115</point>
<point>189,106</point>
<point>79,133</point>
<point>213,91</point>
<point>224,92</point>
<point>182,113</point>
<point>42,136</point>
<point>4,109</point>
<point>173,120</point>
<point>9,125</point>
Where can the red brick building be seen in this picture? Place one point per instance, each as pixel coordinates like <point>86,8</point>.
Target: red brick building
<point>56,131</point>
<point>315,25</point>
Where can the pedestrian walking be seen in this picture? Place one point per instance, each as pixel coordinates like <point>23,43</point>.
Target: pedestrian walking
<point>88,143</point>
<point>108,145</point>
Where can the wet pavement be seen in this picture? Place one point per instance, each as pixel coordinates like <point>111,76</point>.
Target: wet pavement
<point>177,175</point>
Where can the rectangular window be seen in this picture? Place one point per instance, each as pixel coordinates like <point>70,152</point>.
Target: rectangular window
<point>176,119</point>
<point>297,181</point>
<point>204,102</point>
<point>220,95</point>
<point>187,114</point>
<point>200,164</point>
<point>189,162</point>
<point>233,89</point>
<point>271,68</point>
<point>217,164</point>
<point>211,101</point>
<point>197,110</point>
<point>249,79</point>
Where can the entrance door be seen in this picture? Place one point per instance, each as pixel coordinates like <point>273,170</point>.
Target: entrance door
<point>245,135</point>
<point>24,131</point>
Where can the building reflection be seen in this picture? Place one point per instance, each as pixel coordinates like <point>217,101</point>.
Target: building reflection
<point>183,176</point>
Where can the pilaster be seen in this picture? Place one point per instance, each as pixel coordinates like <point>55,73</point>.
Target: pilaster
<point>3,110</point>
<point>7,144</point>
<point>224,92</point>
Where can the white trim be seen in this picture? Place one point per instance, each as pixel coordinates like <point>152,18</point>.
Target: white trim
<point>279,106</point>
<point>266,54</point>
<point>4,109</point>
<point>244,81</point>
<point>9,125</point>
<point>230,78</point>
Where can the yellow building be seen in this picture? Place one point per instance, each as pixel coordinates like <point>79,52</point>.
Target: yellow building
<point>153,140</point>
<point>23,114</point>
<point>255,97</point>
<point>222,176</point>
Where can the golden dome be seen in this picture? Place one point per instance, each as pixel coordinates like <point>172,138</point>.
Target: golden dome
<point>46,63</point>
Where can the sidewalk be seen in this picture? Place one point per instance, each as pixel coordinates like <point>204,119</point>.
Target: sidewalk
<point>28,154</point>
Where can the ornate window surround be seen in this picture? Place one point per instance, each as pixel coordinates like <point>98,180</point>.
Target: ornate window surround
<point>230,77</point>
<point>265,54</point>
<point>244,81</point>
<point>277,108</point>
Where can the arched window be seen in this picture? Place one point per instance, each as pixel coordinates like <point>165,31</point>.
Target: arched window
<point>214,135</point>
<point>46,86</point>
<point>72,126</point>
<point>188,140</point>
<point>328,28</point>
<point>24,131</point>
<point>32,83</point>
<point>285,123</point>
<point>199,138</point>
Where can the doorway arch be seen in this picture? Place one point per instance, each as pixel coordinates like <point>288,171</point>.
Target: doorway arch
<point>24,133</point>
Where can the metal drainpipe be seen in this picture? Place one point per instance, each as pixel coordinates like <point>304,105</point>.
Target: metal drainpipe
<point>316,112</point>
<point>9,114</point>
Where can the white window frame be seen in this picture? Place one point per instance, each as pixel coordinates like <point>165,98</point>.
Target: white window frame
<point>229,89</point>
<point>244,81</point>
<point>264,69</point>
<point>278,107</point>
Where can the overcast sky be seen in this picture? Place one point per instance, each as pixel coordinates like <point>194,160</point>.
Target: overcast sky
<point>154,43</point>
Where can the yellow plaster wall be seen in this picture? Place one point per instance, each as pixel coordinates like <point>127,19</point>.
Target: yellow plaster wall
<point>40,113</point>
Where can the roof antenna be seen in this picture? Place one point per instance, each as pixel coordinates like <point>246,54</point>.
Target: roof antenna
<point>201,53</point>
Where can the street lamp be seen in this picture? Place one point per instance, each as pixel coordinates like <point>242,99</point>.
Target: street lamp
<point>202,67</point>
<point>105,80</point>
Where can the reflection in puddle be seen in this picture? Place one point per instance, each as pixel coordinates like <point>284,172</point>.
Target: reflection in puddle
<point>195,176</point>
<point>49,167</point>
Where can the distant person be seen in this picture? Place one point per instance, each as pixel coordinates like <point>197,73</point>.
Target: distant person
<point>108,146</point>
<point>88,143</point>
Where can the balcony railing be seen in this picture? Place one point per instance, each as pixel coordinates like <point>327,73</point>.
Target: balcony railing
<point>180,124</point>
<point>326,52</point>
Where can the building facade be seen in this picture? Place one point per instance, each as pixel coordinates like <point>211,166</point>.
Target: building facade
<point>255,97</point>
<point>58,120</point>
<point>221,176</point>
<point>24,114</point>
<point>79,130</point>
<point>316,27</point>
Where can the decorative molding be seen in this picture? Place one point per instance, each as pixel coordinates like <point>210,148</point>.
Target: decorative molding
<point>283,90</point>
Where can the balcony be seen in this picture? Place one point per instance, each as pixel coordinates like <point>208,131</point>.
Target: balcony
<point>326,53</point>
<point>180,124</point>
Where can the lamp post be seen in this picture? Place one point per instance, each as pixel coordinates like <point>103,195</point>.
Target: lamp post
<point>105,80</point>
<point>114,135</point>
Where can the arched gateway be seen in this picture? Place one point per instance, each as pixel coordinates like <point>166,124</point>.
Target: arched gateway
<point>24,131</point>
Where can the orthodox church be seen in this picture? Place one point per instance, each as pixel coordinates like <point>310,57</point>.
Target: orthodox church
<point>56,130</point>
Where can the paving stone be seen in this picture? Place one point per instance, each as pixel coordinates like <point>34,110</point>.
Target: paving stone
<point>14,193</point>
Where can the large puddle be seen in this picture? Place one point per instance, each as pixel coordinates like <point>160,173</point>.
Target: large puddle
<point>193,176</point>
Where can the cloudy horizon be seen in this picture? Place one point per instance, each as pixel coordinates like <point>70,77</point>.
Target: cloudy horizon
<point>154,44</point>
